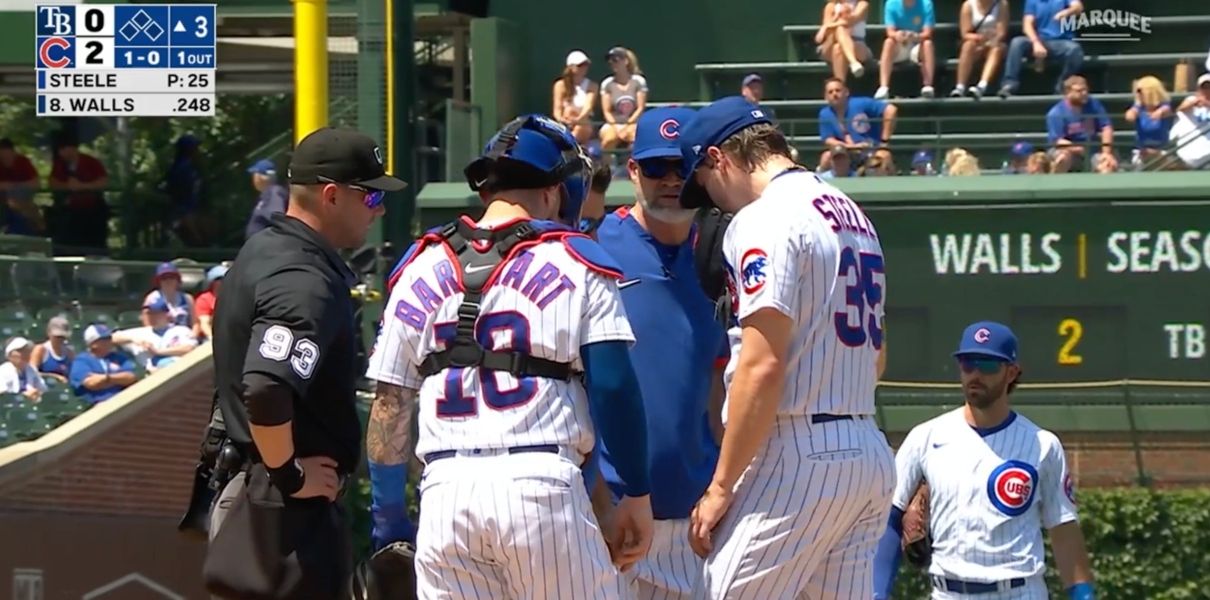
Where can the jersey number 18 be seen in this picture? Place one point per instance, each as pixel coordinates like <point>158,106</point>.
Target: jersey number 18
<point>515,328</point>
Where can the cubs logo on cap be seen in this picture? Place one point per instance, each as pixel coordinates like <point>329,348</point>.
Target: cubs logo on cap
<point>670,129</point>
<point>752,269</point>
<point>1010,487</point>
<point>982,335</point>
<point>658,131</point>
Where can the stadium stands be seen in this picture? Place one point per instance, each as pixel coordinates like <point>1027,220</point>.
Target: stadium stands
<point>794,86</point>
<point>33,289</point>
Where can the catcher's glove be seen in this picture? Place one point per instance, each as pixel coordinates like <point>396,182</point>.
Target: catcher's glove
<point>917,543</point>
<point>390,574</point>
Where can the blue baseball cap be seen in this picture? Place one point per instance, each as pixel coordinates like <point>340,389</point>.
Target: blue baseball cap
<point>263,166</point>
<point>96,331</point>
<point>215,273</point>
<point>988,339</point>
<point>166,268</point>
<point>658,132</point>
<point>711,126</point>
<point>1022,149</point>
<point>157,305</point>
<point>922,156</point>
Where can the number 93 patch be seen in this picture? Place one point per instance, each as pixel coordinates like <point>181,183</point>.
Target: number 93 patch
<point>278,344</point>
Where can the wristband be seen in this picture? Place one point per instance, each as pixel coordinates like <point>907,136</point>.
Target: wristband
<point>1081,591</point>
<point>288,478</point>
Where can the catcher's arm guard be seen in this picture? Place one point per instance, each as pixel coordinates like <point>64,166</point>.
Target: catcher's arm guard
<point>390,574</point>
<point>917,542</point>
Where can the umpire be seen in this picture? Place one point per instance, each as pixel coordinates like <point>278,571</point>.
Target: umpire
<point>285,373</point>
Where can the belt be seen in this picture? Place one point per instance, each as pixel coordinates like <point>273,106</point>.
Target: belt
<point>958,586</point>
<point>816,419</point>
<point>440,454</point>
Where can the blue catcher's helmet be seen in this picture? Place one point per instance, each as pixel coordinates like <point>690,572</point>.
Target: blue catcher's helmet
<point>546,154</point>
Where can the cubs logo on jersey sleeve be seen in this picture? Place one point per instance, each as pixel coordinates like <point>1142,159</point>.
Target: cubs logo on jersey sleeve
<point>1069,487</point>
<point>1010,488</point>
<point>753,266</point>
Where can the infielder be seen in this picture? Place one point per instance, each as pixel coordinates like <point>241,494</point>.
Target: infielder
<point>493,324</point>
<point>677,350</point>
<point>800,495</point>
<point>995,479</point>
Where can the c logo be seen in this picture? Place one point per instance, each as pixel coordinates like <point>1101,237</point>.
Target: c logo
<point>982,335</point>
<point>670,129</point>
<point>44,53</point>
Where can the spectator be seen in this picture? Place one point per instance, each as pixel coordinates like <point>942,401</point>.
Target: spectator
<point>1152,117</point>
<point>840,163</point>
<point>183,184</point>
<point>80,214</point>
<point>841,37</point>
<point>857,123</point>
<point>1070,124</point>
<point>984,26</point>
<point>204,304</point>
<point>17,376</point>
<point>273,199</point>
<point>909,36</point>
<point>878,165</point>
<point>18,182</point>
<point>1019,153</point>
<point>964,165</point>
<point>53,357</point>
<point>593,211</point>
<point>102,372</point>
<point>753,90</point>
<point>1046,40</point>
<point>1104,163</point>
<point>1038,163</point>
<point>575,96</point>
<point>1197,106</point>
<point>159,344</point>
<point>922,163</point>
<point>623,98</point>
<point>167,286</point>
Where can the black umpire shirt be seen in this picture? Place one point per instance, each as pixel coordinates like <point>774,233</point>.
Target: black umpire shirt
<point>286,313</point>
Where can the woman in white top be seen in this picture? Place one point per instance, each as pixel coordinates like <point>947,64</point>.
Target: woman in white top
<point>623,98</point>
<point>841,37</point>
<point>575,97</point>
<point>984,27</point>
<point>17,376</point>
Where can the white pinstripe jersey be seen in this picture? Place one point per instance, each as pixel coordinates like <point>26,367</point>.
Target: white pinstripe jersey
<point>544,302</point>
<point>806,250</point>
<point>991,492</point>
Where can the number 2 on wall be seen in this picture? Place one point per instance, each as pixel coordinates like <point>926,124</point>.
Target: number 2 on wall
<point>1073,330</point>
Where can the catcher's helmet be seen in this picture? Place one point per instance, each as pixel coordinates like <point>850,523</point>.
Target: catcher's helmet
<point>390,574</point>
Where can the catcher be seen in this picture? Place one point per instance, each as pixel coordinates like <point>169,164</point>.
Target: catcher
<point>993,480</point>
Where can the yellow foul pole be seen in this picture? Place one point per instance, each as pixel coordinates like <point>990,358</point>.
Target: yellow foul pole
<point>310,66</point>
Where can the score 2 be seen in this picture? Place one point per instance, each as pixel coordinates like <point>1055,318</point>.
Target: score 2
<point>1072,343</point>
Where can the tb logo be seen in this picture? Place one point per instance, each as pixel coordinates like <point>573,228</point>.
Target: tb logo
<point>55,20</point>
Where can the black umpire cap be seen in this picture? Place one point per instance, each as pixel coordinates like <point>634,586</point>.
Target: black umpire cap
<point>331,155</point>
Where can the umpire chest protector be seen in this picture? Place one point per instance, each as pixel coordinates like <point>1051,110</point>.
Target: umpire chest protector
<point>480,253</point>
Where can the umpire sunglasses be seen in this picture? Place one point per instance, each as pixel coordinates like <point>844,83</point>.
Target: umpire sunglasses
<point>372,198</point>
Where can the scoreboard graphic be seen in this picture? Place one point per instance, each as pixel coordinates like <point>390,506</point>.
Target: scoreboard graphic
<point>140,60</point>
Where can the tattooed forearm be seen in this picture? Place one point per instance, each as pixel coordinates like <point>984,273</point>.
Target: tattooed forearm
<point>390,435</point>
